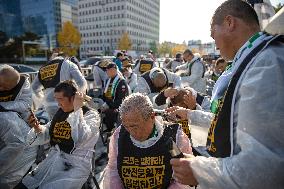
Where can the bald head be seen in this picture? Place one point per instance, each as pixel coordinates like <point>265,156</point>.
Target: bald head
<point>9,77</point>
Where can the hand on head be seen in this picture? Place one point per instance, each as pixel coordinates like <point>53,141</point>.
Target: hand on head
<point>170,92</point>
<point>190,101</point>
<point>78,100</point>
<point>178,112</point>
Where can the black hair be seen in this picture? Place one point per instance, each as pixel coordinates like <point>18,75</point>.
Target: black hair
<point>237,8</point>
<point>178,55</point>
<point>187,51</point>
<point>68,87</point>
<point>118,54</point>
<point>220,60</point>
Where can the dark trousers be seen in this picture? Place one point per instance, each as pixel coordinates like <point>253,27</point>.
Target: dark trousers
<point>111,117</point>
<point>21,186</point>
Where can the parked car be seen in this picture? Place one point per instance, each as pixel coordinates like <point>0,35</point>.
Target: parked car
<point>92,60</point>
<point>21,68</point>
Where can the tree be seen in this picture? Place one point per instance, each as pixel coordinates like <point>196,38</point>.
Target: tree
<point>124,42</point>
<point>179,48</point>
<point>164,49</point>
<point>69,39</point>
<point>153,47</point>
<point>13,47</point>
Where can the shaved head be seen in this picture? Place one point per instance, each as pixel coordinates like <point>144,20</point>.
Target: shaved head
<point>159,79</point>
<point>9,77</point>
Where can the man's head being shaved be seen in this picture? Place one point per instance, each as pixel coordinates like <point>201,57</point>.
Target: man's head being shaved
<point>9,77</point>
<point>158,78</point>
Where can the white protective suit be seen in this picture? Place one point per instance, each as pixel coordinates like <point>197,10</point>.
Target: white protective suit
<point>196,79</point>
<point>69,71</point>
<point>100,77</point>
<point>23,102</point>
<point>143,87</point>
<point>258,117</point>
<point>16,157</point>
<point>59,169</point>
<point>132,81</point>
<point>173,65</point>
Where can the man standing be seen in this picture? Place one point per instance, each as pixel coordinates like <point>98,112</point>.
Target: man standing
<point>175,63</point>
<point>56,70</point>
<point>192,72</point>
<point>246,133</point>
<point>115,91</point>
<point>118,60</point>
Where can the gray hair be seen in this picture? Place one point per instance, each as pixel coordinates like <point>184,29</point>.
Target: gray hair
<point>137,102</point>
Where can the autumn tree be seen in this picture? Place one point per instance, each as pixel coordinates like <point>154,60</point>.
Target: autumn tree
<point>69,39</point>
<point>179,48</point>
<point>164,48</point>
<point>124,42</point>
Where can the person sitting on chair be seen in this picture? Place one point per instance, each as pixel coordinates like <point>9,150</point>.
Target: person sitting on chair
<point>72,134</point>
<point>115,91</point>
<point>141,144</point>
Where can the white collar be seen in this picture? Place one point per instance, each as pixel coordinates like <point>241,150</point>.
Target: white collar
<point>151,141</point>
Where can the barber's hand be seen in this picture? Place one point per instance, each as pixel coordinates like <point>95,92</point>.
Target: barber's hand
<point>78,100</point>
<point>34,123</point>
<point>182,171</point>
<point>178,112</point>
<point>190,101</point>
<point>170,92</point>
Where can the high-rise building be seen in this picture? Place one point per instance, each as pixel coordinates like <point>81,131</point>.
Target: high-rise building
<point>10,18</point>
<point>102,23</point>
<point>42,17</point>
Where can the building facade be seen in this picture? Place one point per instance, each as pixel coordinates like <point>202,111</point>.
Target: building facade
<point>42,17</point>
<point>204,48</point>
<point>10,18</point>
<point>102,23</point>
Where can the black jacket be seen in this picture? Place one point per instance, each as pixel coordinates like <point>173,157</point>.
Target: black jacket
<point>120,92</point>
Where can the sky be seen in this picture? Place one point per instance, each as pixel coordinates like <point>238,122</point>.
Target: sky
<point>183,20</point>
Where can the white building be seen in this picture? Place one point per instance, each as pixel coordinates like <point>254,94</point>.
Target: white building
<point>204,48</point>
<point>102,23</point>
<point>195,45</point>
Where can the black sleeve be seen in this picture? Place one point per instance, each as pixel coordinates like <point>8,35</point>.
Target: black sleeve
<point>161,99</point>
<point>122,91</point>
<point>199,98</point>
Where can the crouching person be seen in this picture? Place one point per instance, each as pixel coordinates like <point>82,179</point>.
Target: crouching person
<point>139,154</point>
<point>72,134</point>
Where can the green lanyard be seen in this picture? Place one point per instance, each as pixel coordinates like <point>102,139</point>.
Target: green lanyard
<point>154,132</point>
<point>252,39</point>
